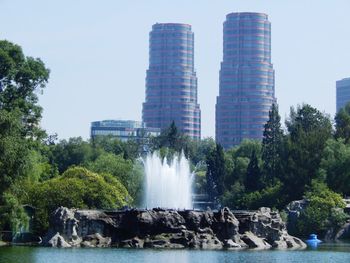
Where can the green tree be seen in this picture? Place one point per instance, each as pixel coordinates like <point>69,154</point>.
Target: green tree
<point>173,139</point>
<point>272,147</point>
<point>253,178</point>
<point>129,173</point>
<point>308,130</point>
<point>342,123</point>
<point>324,211</point>
<point>20,79</point>
<point>79,188</point>
<point>75,151</point>
<point>215,172</point>
<point>334,167</point>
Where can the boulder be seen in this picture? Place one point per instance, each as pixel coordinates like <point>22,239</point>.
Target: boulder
<point>58,241</point>
<point>344,232</point>
<point>160,228</point>
<point>225,225</point>
<point>230,244</point>
<point>255,242</point>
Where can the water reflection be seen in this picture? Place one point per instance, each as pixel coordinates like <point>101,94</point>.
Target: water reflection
<point>325,253</point>
<point>17,255</point>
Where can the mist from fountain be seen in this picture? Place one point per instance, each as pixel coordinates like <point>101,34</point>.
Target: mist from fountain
<point>168,185</point>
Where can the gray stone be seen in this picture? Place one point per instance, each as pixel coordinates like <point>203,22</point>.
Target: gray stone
<point>255,242</point>
<point>58,241</point>
<point>229,244</point>
<point>160,228</point>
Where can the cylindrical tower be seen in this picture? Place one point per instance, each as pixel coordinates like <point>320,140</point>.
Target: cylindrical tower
<point>246,91</point>
<point>171,82</point>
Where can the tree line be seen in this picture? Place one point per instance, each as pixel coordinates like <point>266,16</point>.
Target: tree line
<point>309,158</point>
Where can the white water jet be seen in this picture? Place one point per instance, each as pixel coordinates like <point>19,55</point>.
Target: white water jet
<point>168,185</point>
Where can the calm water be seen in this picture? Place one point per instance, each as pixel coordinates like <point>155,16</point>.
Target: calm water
<point>326,253</point>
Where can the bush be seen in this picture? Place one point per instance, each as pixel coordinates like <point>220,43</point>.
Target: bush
<point>78,188</point>
<point>323,212</point>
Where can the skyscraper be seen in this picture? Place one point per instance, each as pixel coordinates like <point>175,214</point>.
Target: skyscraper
<point>343,93</point>
<point>171,82</point>
<point>247,90</point>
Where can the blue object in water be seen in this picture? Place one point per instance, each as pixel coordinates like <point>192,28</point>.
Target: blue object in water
<point>313,241</point>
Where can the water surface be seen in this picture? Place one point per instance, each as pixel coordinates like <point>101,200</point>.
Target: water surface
<point>339,252</point>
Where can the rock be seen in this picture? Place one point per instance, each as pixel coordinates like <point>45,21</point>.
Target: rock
<point>207,241</point>
<point>229,244</point>
<point>160,228</point>
<point>132,243</point>
<point>226,225</point>
<point>255,242</point>
<point>58,241</point>
<point>96,240</point>
<point>344,232</point>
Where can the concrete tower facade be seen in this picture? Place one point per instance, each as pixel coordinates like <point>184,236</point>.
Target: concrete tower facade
<point>171,81</point>
<point>246,91</point>
<point>343,93</point>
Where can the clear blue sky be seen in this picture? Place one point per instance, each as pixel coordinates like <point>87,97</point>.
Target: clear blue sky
<point>98,52</point>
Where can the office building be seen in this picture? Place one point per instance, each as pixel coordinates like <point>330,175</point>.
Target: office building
<point>171,82</point>
<point>246,91</point>
<point>123,129</point>
<point>343,93</point>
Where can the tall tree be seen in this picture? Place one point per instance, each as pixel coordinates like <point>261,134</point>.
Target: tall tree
<point>253,178</point>
<point>215,172</point>
<point>309,130</point>
<point>272,146</point>
<point>335,165</point>
<point>21,78</point>
<point>342,123</point>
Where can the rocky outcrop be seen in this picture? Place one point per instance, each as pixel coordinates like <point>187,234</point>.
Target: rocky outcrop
<point>161,228</point>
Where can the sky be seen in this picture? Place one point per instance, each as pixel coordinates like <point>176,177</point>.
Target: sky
<point>97,52</point>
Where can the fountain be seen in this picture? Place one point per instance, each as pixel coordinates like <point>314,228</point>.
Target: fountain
<point>168,185</point>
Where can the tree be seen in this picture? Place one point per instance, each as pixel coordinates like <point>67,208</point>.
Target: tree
<point>253,178</point>
<point>75,151</point>
<point>324,210</point>
<point>334,167</point>
<point>13,149</point>
<point>215,172</point>
<point>342,123</point>
<point>272,147</point>
<point>128,173</point>
<point>79,188</point>
<point>308,130</point>
<point>171,138</point>
<point>20,79</point>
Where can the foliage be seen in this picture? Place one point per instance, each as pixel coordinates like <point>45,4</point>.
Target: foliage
<point>79,188</point>
<point>13,149</point>
<point>322,211</point>
<point>308,130</point>
<point>342,123</point>
<point>128,173</point>
<point>253,179</point>
<point>239,198</point>
<point>115,165</point>
<point>12,213</point>
<point>334,167</point>
<point>215,172</point>
<point>272,147</point>
<point>20,79</point>
<point>75,151</point>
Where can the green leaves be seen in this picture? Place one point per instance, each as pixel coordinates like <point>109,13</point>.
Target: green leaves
<point>324,210</point>
<point>79,188</point>
<point>342,123</point>
<point>20,77</point>
<point>334,167</point>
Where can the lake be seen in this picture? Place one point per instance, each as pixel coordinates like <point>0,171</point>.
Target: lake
<point>339,252</point>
